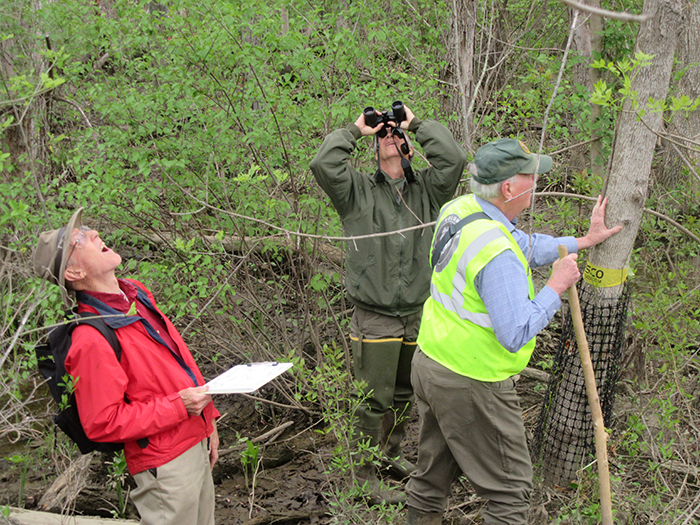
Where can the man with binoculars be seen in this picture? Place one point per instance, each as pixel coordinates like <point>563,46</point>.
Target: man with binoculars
<point>388,276</point>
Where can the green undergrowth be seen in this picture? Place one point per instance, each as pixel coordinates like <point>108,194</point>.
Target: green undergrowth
<point>186,129</point>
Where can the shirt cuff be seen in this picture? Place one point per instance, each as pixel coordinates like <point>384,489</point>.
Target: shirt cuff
<point>179,405</point>
<point>570,243</point>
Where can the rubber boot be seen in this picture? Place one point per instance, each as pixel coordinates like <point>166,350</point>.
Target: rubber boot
<point>418,517</point>
<point>392,435</point>
<point>375,490</point>
<point>396,420</point>
<point>375,363</point>
<point>367,474</point>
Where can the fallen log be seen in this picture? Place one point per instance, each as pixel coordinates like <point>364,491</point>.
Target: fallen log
<point>270,436</point>
<point>34,517</point>
<point>536,374</point>
<point>66,487</point>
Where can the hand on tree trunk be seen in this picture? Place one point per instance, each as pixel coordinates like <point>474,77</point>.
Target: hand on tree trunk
<point>597,231</point>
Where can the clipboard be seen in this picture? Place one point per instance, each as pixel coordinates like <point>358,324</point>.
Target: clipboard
<point>242,379</point>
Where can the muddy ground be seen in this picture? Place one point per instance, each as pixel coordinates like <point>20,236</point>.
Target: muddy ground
<point>293,485</point>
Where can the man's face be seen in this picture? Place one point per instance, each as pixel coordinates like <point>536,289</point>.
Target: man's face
<point>89,254</point>
<point>388,146</point>
<point>521,192</point>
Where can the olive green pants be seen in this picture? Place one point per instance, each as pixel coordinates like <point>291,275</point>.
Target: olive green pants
<point>382,348</point>
<point>474,428</point>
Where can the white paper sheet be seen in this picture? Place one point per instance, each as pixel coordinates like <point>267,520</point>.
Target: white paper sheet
<point>242,379</point>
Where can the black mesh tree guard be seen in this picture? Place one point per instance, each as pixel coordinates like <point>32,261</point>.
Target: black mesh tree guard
<point>563,438</point>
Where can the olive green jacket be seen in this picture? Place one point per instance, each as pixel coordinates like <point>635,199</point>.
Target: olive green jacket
<point>390,274</point>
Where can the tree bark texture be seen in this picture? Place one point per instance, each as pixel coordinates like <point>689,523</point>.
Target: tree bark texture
<point>587,44</point>
<point>459,75</point>
<point>680,152</point>
<point>633,150</point>
<point>597,161</point>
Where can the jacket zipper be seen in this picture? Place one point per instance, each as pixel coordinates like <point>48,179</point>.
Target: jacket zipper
<point>401,248</point>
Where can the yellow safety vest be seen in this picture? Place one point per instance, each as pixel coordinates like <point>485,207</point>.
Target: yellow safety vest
<point>456,329</point>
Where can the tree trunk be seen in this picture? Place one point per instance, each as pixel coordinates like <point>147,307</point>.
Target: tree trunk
<point>565,432</point>
<point>25,139</point>
<point>628,181</point>
<point>587,43</point>
<point>581,47</point>
<point>597,161</point>
<point>679,153</point>
<point>459,75</point>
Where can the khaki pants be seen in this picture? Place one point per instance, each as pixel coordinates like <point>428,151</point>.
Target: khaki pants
<point>180,493</point>
<point>474,428</point>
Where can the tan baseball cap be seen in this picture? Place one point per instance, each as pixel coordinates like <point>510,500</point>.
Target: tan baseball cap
<point>51,255</point>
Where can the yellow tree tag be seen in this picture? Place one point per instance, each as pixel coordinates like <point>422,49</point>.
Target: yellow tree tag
<point>604,277</point>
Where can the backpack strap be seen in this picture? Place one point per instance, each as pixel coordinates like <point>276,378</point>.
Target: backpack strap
<point>452,230</point>
<point>110,335</point>
<point>99,324</point>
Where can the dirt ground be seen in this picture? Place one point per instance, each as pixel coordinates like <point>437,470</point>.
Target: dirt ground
<point>292,486</point>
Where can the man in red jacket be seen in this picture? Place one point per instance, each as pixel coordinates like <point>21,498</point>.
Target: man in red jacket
<point>154,400</point>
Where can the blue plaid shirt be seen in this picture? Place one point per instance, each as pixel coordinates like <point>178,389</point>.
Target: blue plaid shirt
<point>503,286</point>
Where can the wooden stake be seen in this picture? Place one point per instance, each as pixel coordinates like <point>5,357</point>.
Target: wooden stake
<point>601,437</point>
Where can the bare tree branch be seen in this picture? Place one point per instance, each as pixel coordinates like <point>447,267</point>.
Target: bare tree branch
<point>76,106</point>
<point>616,15</point>
<point>646,210</point>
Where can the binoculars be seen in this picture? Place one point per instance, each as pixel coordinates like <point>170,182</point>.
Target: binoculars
<point>397,114</point>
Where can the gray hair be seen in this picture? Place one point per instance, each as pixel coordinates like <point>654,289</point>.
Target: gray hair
<point>488,192</point>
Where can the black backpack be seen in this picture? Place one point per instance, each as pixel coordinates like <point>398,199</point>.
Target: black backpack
<point>51,357</point>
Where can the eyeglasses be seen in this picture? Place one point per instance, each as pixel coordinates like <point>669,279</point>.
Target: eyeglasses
<point>79,240</point>
<point>81,237</point>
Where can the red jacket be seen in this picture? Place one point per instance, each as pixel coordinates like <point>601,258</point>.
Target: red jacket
<point>149,376</point>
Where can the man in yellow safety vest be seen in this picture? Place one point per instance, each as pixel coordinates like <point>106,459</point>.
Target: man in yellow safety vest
<point>478,330</point>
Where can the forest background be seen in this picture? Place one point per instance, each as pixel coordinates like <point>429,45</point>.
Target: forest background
<point>186,130</point>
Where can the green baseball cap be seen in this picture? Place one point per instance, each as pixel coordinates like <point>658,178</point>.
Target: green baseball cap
<point>501,159</point>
